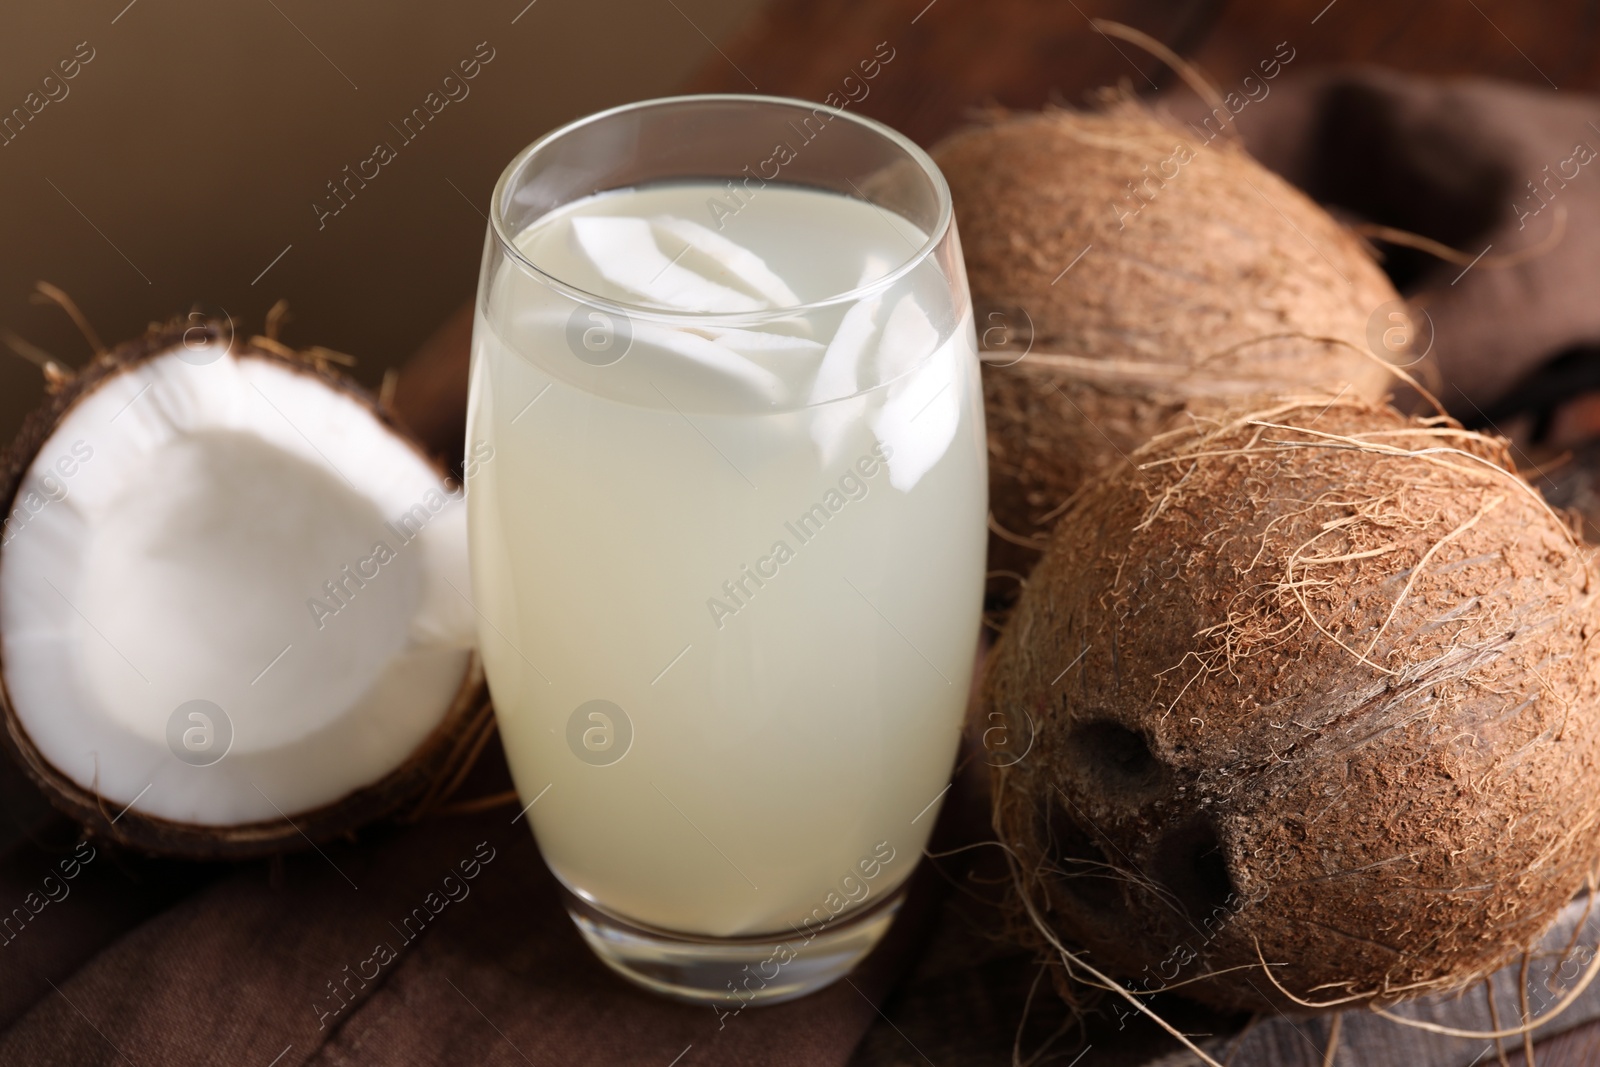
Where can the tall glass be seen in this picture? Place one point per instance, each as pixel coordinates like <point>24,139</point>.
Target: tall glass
<point>727,501</point>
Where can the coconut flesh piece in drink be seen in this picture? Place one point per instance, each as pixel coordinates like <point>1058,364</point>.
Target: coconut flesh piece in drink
<point>922,410</point>
<point>758,344</point>
<point>919,414</point>
<point>704,352</point>
<point>723,256</point>
<point>624,251</point>
<point>793,360</point>
<point>838,378</point>
<point>681,265</point>
<point>233,611</point>
<point>919,410</point>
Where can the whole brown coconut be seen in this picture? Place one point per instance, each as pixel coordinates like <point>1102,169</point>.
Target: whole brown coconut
<point>1144,269</point>
<point>1314,688</point>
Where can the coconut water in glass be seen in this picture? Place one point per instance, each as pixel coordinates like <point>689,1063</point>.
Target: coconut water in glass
<point>727,528</point>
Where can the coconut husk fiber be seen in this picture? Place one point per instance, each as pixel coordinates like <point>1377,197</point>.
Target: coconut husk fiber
<point>1312,693</point>
<point>1124,271</point>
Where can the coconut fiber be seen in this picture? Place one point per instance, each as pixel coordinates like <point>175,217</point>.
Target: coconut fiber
<point>1312,694</point>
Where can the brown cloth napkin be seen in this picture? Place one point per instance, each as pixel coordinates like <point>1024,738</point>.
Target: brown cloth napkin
<point>310,960</point>
<point>1505,172</point>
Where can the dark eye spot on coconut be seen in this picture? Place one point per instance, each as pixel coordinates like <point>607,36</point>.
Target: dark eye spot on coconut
<point>1114,761</point>
<point>1189,863</point>
<point>1076,863</point>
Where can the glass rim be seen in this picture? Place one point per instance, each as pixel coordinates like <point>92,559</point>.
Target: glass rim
<point>936,235</point>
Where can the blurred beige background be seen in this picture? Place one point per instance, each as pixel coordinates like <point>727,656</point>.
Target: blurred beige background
<point>187,154</point>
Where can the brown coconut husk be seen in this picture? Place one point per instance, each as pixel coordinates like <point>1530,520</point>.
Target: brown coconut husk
<point>1313,700</point>
<point>439,759</point>
<point>1184,293</point>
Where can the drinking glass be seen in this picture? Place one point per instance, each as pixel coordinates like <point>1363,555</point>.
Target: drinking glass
<point>728,563</point>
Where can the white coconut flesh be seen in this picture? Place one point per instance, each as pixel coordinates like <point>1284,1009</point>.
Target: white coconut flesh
<point>241,533</point>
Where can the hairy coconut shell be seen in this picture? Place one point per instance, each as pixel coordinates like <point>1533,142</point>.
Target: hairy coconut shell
<point>1127,269</point>
<point>1316,687</point>
<point>438,758</point>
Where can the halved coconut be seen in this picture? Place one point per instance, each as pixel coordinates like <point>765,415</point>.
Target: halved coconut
<point>233,600</point>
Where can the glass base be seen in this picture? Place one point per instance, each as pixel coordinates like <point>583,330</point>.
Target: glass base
<point>734,970</point>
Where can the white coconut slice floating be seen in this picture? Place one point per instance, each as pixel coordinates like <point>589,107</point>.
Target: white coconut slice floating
<point>839,373</point>
<point>873,268</point>
<point>233,611</point>
<point>623,249</point>
<point>919,417</point>
<point>679,265</point>
<point>703,352</point>
<point>718,254</point>
<point>838,378</point>
<point>759,343</point>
